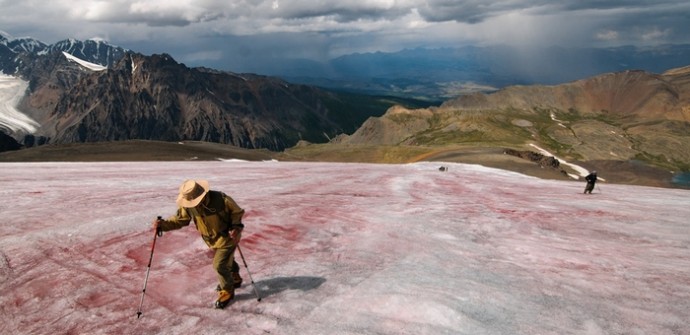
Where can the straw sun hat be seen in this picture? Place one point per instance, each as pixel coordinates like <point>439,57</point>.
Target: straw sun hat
<point>191,193</point>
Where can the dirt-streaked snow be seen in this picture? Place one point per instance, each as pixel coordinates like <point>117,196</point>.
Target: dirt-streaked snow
<point>343,249</point>
<point>11,91</point>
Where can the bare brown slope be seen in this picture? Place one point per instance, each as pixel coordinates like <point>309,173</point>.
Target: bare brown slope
<point>636,94</point>
<point>631,115</point>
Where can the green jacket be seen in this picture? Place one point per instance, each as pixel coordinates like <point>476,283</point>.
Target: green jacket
<point>214,217</point>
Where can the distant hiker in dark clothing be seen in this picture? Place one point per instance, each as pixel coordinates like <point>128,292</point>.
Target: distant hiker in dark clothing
<point>218,219</point>
<point>591,180</point>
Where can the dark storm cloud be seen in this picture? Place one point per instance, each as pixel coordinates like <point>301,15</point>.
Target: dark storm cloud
<point>218,30</point>
<point>342,11</point>
<point>472,11</point>
<point>475,11</point>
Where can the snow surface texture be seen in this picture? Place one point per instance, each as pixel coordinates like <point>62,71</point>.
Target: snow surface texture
<point>343,249</point>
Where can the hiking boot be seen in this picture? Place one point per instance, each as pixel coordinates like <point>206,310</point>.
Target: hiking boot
<point>236,280</point>
<point>224,298</point>
<point>235,284</point>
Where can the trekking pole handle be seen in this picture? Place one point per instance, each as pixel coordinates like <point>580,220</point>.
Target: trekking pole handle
<point>159,232</point>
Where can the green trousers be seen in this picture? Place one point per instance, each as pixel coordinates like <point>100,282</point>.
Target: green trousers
<point>224,264</point>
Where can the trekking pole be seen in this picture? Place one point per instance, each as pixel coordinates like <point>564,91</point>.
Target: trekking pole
<point>258,298</point>
<point>148,269</point>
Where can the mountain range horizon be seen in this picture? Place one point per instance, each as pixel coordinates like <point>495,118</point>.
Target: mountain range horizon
<point>432,74</point>
<point>156,98</point>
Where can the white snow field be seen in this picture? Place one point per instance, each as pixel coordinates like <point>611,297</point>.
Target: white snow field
<point>342,249</point>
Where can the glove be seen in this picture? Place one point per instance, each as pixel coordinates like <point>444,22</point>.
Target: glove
<point>235,235</point>
<point>157,225</point>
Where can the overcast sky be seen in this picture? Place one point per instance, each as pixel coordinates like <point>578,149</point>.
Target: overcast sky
<point>229,33</point>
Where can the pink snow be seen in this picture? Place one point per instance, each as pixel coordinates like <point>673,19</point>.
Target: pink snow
<point>343,249</point>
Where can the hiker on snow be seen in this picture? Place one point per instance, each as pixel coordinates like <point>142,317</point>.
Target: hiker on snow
<point>591,180</point>
<point>218,219</point>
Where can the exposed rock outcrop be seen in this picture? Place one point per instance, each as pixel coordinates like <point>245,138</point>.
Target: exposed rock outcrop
<point>7,143</point>
<point>548,162</point>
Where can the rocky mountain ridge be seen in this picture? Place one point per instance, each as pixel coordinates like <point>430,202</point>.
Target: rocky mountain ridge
<point>156,98</point>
